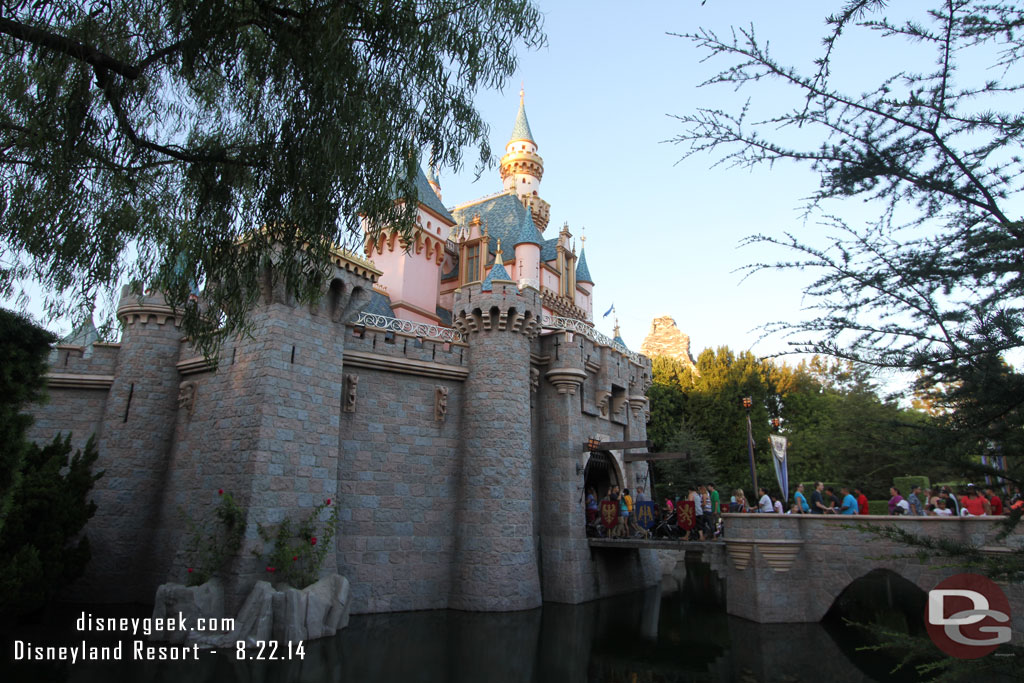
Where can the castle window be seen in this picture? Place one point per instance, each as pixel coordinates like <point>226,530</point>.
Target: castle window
<point>472,263</point>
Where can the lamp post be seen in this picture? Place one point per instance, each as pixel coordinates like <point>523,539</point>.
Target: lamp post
<point>748,403</point>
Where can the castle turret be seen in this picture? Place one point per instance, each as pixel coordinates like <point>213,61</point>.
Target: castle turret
<point>584,285</point>
<point>135,443</point>
<point>522,168</point>
<point>495,565</point>
<point>527,248</point>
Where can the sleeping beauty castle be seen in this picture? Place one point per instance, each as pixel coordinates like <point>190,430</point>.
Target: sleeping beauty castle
<point>442,394</point>
<point>499,237</point>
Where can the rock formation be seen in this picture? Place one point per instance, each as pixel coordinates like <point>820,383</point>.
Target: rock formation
<point>666,339</point>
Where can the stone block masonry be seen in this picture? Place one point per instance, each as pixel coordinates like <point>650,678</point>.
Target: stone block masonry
<point>455,466</point>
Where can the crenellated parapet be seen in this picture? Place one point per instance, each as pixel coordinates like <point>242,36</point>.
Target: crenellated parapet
<point>540,210</point>
<point>504,308</point>
<point>147,307</point>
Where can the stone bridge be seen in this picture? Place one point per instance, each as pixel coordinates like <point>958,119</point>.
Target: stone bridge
<point>791,568</point>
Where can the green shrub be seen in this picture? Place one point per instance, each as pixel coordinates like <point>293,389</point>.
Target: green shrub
<point>42,548</point>
<point>905,484</point>
<point>878,507</point>
<point>212,544</point>
<point>296,555</point>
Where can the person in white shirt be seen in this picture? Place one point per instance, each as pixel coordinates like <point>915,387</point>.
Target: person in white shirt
<point>764,503</point>
<point>941,510</point>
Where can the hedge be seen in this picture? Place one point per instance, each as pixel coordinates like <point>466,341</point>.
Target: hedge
<point>905,484</point>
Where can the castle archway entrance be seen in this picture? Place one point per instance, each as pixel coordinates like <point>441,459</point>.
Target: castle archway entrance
<point>601,473</point>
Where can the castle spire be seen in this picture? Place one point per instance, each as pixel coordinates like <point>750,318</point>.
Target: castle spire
<point>521,129</point>
<point>522,168</point>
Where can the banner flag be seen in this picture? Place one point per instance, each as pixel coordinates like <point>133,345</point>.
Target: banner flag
<point>609,311</point>
<point>781,464</point>
<point>686,515</point>
<point>645,514</point>
<point>609,513</point>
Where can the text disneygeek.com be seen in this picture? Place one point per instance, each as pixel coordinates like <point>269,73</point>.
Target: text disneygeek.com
<point>137,649</point>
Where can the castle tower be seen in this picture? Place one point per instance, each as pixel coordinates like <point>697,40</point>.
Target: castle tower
<point>412,268</point>
<point>584,282</point>
<point>527,248</point>
<point>495,565</point>
<point>135,442</point>
<point>435,184</point>
<point>522,168</point>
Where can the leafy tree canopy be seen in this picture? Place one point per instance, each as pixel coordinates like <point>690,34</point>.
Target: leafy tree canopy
<point>142,140</point>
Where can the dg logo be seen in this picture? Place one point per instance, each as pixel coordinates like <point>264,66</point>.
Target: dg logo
<point>968,616</point>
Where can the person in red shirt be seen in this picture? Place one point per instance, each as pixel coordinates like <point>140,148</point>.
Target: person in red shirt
<point>862,501</point>
<point>975,505</point>
<point>995,501</point>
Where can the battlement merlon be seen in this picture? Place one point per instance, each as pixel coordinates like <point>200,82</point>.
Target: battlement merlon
<point>504,307</point>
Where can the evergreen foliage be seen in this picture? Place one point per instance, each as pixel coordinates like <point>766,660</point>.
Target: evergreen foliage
<point>23,348</point>
<point>43,491</point>
<point>141,141</point>
<point>837,426</point>
<point>42,548</point>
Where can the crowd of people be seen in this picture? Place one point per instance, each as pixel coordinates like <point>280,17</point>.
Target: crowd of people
<point>973,501</point>
<point>701,521</point>
<point>697,514</point>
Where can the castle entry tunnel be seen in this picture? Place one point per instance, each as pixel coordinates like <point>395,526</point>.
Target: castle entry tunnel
<point>600,473</point>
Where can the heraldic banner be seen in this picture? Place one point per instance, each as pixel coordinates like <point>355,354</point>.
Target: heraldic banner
<point>609,513</point>
<point>686,514</point>
<point>645,514</point>
<point>781,464</point>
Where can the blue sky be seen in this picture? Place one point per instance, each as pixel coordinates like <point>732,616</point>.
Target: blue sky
<point>663,235</point>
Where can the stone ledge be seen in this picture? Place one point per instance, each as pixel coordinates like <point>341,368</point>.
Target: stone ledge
<point>191,366</point>
<point>60,380</point>
<point>404,366</point>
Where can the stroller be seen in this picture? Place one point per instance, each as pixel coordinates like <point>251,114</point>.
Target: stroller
<point>666,527</point>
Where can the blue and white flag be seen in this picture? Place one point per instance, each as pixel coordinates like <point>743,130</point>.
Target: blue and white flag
<point>781,464</point>
<point>609,311</point>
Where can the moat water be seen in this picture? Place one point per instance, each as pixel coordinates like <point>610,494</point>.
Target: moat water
<point>651,636</point>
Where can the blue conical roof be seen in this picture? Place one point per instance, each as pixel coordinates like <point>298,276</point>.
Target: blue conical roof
<point>521,131</point>
<point>582,272</point>
<point>431,176</point>
<point>498,272</point>
<point>527,233</point>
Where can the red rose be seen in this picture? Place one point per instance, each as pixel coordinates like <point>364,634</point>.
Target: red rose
<point>220,492</point>
<point>312,541</point>
<point>190,570</point>
<point>328,501</point>
<point>295,558</point>
<point>270,569</point>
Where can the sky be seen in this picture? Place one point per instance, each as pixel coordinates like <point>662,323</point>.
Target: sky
<point>663,234</point>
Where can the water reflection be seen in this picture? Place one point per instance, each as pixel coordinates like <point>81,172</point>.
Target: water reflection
<point>642,637</point>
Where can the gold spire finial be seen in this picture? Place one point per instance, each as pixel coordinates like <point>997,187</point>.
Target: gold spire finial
<point>497,254</point>
<point>522,90</point>
<point>616,333</point>
<point>583,236</point>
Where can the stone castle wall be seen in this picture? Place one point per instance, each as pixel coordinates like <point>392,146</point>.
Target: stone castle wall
<point>455,466</point>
